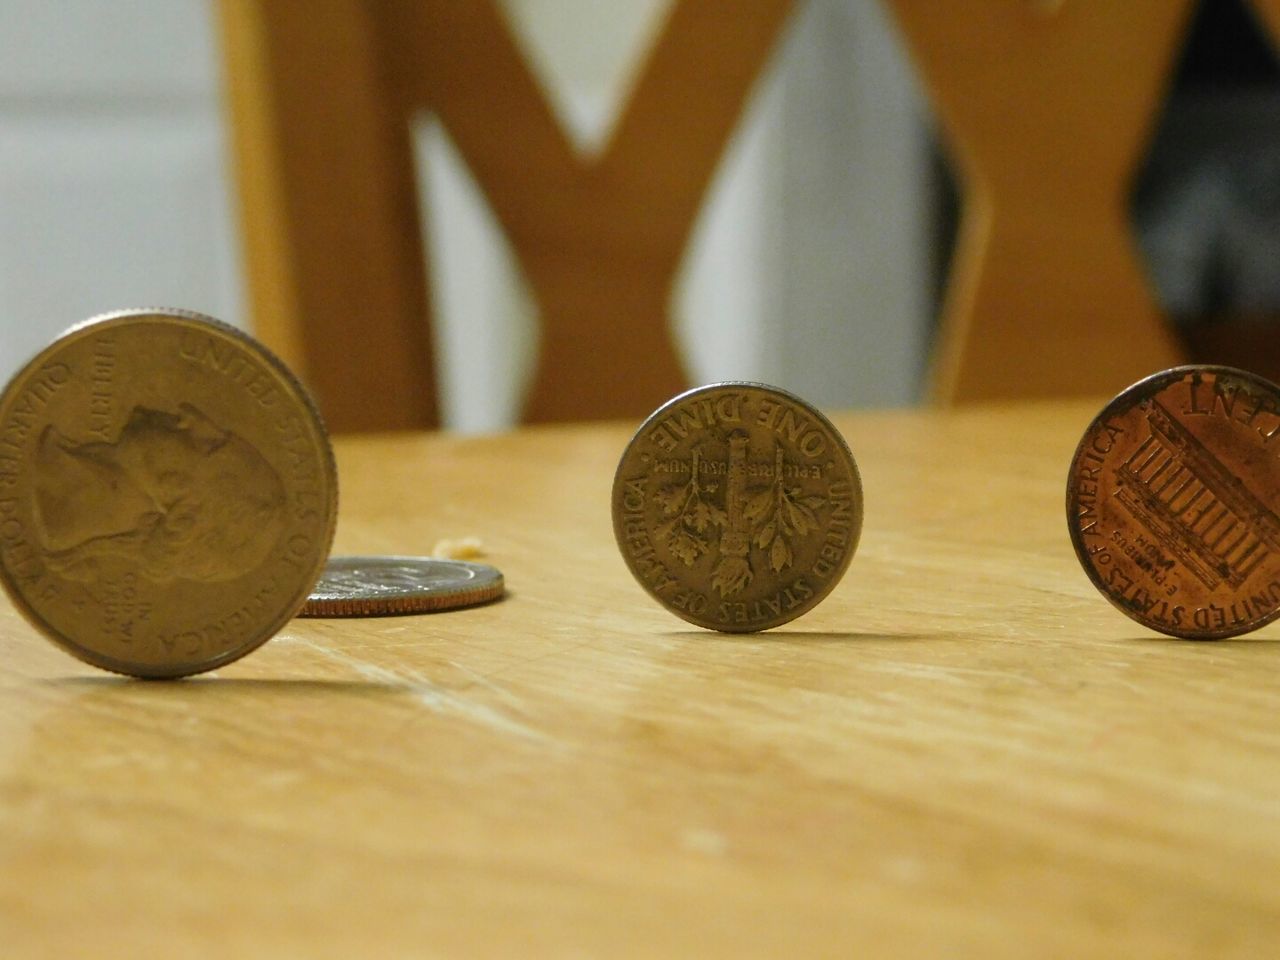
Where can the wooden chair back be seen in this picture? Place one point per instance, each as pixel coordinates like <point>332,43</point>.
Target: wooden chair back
<point>1046,106</point>
<point>320,96</point>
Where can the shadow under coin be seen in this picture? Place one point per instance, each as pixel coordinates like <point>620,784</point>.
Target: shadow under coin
<point>1238,642</point>
<point>210,686</point>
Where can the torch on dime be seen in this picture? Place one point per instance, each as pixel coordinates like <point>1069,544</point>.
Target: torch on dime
<point>737,506</point>
<point>1172,498</point>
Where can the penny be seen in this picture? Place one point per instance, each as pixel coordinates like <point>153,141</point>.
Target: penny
<point>1171,502</point>
<point>379,586</point>
<point>737,506</point>
<point>167,493</point>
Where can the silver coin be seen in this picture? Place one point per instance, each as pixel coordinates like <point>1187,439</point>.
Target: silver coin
<point>737,506</point>
<point>381,586</point>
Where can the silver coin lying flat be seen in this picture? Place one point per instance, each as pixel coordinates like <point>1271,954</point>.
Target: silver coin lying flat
<point>385,586</point>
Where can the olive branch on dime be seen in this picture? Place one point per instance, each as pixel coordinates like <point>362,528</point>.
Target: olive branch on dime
<point>691,517</point>
<point>781,517</point>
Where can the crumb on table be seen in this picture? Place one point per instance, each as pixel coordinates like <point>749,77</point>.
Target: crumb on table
<point>464,548</point>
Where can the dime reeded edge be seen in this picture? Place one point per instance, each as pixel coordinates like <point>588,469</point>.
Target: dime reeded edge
<point>328,465</point>
<point>856,476</point>
<point>424,601</point>
<point>1149,386</point>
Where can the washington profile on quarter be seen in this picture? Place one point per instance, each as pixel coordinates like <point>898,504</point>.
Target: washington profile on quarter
<point>167,492</point>
<point>382,586</point>
<point>737,506</point>
<point>1172,498</point>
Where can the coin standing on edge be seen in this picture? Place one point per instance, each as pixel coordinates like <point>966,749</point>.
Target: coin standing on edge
<point>737,506</point>
<point>167,492</point>
<point>1171,502</point>
<point>385,586</point>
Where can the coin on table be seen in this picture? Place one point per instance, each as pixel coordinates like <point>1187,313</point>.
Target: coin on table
<point>382,586</point>
<point>737,506</point>
<point>1171,502</point>
<point>167,492</point>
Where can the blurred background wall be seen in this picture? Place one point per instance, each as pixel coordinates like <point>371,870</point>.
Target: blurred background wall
<point>812,265</point>
<point>113,174</point>
<point>817,260</point>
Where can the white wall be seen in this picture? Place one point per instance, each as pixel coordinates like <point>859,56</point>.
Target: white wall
<point>808,269</point>
<point>113,190</point>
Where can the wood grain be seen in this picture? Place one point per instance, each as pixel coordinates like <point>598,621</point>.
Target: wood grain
<point>964,752</point>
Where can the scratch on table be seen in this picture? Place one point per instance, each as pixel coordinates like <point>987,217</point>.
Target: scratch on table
<point>953,674</point>
<point>479,678</point>
<point>434,698</point>
<point>526,661</point>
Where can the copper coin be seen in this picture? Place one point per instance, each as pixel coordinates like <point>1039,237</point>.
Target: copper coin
<point>167,493</point>
<point>1171,502</point>
<point>381,586</point>
<point>737,506</point>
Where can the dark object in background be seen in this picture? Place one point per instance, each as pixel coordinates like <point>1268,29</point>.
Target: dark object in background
<point>1206,199</point>
<point>1206,206</point>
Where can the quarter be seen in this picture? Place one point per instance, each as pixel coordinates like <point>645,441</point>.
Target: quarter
<point>167,493</point>
<point>1171,501</point>
<point>737,506</point>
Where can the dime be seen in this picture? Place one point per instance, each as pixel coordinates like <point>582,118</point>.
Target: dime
<point>737,506</point>
<point>1171,502</point>
<point>378,586</point>
<point>167,493</point>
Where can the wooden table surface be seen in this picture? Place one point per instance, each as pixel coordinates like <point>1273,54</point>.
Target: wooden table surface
<point>963,752</point>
